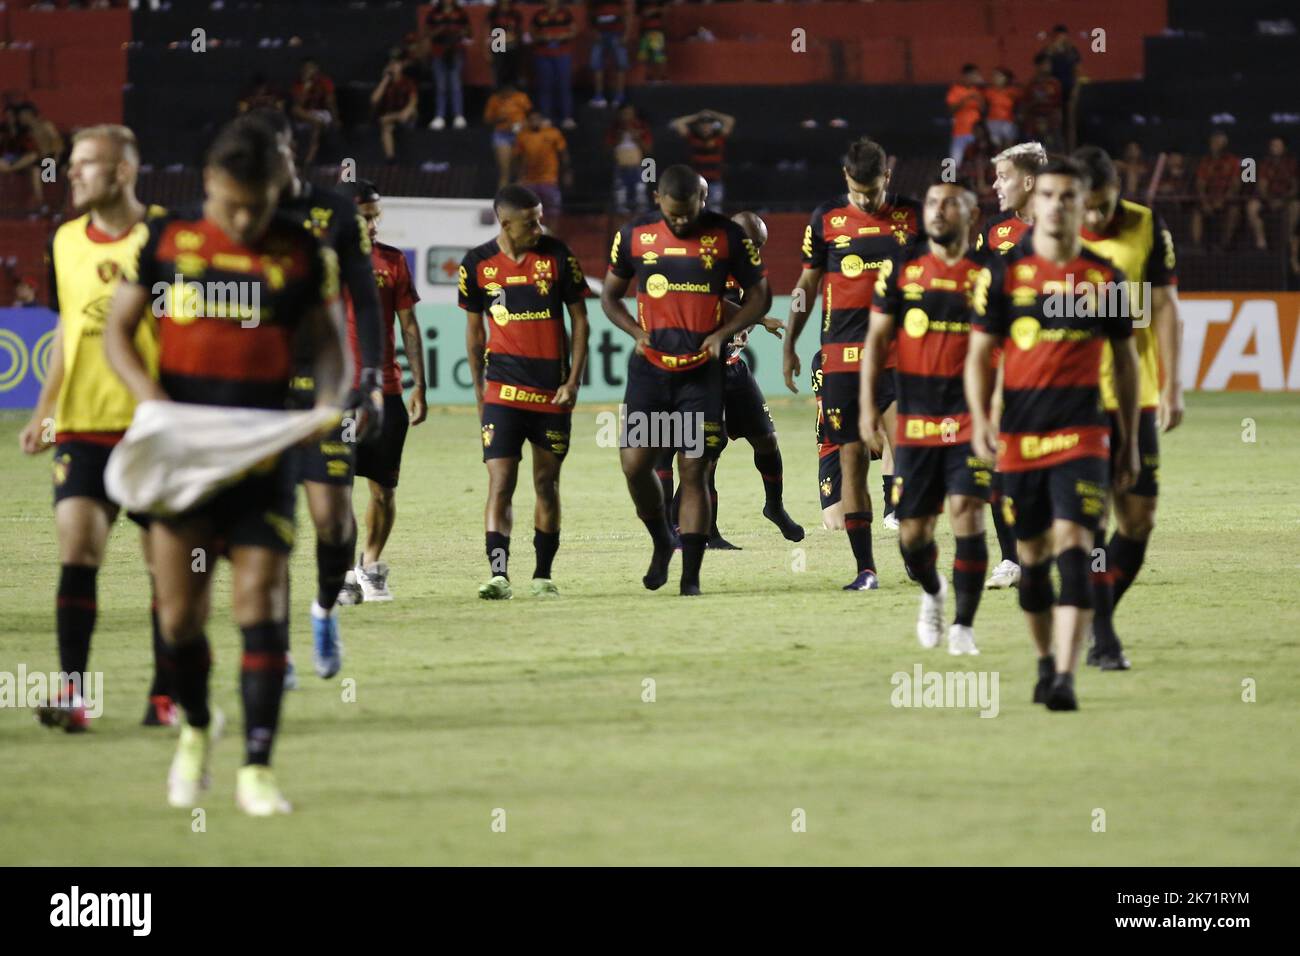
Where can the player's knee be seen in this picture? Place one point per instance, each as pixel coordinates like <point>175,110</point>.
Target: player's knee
<point>1137,523</point>
<point>1076,582</point>
<point>179,624</point>
<point>764,444</point>
<point>1036,593</point>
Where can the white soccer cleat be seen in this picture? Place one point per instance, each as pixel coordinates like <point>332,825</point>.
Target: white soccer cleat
<point>1005,575</point>
<point>257,794</point>
<point>961,640</point>
<point>458,123</point>
<point>929,623</point>
<point>890,521</point>
<point>373,581</point>
<point>351,592</point>
<point>438,123</point>
<point>188,777</point>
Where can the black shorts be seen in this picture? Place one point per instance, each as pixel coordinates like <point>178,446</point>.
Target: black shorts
<point>828,478</point>
<point>925,475</point>
<point>79,473</point>
<point>744,408</point>
<point>1071,491</point>
<point>679,410</point>
<point>328,460</point>
<point>380,460</point>
<point>1148,479</point>
<point>505,428</point>
<point>886,389</point>
<point>255,512</point>
<point>840,407</point>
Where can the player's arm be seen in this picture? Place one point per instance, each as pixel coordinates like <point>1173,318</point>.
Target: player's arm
<point>32,439</point>
<point>978,383</point>
<point>580,332</point>
<point>805,294</point>
<point>775,326</point>
<point>419,409</point>
<point>874,352</point>
<point>1127,461</point>
<point>1167,324</point>
<point>611,300</point>
<point>475,345</point>
<point>124,315</point>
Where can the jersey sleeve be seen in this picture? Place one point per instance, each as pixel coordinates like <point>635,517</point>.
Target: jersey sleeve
<point>1162,262</point>
<point>404,294</point>
<point>620,254</point>
<point>886,297</point>
<point>146,267</point>
<point>746,258</point>
<point>469,295</point>
<point>573,284</point>
<point>52,279</point>
<point>358,275</point>
<point>988,299</point>
<point>323,283</point>
<point>814,243</point>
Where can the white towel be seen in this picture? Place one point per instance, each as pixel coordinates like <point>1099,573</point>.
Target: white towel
<point>176,454</point>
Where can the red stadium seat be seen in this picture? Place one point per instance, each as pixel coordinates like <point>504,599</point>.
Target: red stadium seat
<point>15,69</point>
<point>939,59</point>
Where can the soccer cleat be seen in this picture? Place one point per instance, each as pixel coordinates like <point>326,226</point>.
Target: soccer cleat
<point>290,673</point>
<point>161,712</point>
<point>1046,673</point>
<point>458,123</point>
<point>327,649</point>
<point>545,588</point>
<point>438,123</point>
<point>67,711</point>
<point>929,623</point>
<point>865,581</point>
<point>1113,660</point>
<point>257,794</point>
<point>498,589</point>
<point>790,529</point>
<point>351,592</point>
<point>689,590</point>
<point>1061,696</point>
<point>188,776</point>
<point>1005,575</point>
<point>890,521</point>
<point>657,575</point>
<point>717,542</point>
<point>961,640</point>
<point>373,581</point>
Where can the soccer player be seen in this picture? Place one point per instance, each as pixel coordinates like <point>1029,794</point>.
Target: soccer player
<point>526,373</point>
<point>922,301</point>
<point>1014,170</point>
<point>380,460</point>
<point>242,357</point>
<point>847,241</point>
<point>1134,238</point>
<point>327,466</point>
<point>1049,302</point>
<point>745,415</point>
<point>681,256</point>
<point>87,404</point>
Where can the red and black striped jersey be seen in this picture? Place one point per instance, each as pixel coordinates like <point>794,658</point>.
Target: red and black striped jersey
<point>706,154</point>
<point>228,314</point>
<point>1052,321</point>
<point>396,292</point>
<point>850,245</point>
<point>1003,234</point>
<point>929,302</point>
<point>608,16</point>
<point>527,346</point>
<point>651,14</point>
<point>682,280</point>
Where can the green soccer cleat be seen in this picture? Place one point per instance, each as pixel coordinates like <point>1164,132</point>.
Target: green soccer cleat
<point>498,589</point>
<point>545,588</point>
<point>188,779</point>
<point>257,794</point>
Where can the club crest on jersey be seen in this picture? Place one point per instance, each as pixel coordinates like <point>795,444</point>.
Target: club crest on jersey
<point>542,286</point>
<point>896,492</point>
<point>706,260</point>
<point>318,221</point>
<point>108,270</point>
<point>61,464</point>
<point>835,417</point>
<point>1024,332</point>
<point>827,487</point>
<point>488,432</point>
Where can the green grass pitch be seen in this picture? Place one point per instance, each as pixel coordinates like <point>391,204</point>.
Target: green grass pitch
<point>772,692</point>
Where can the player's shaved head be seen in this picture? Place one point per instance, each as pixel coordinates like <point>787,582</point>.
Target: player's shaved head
<point>753,226</point>
<point>519,211</point>
<point>103,166</point>
<point>515,197</point>
<point>679,182</point>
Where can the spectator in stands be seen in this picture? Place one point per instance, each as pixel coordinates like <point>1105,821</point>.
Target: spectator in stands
<point>706,134</point>
<point>261,95</point>
<point>1063,58</point>
<point>395,102</point>
<point>967,106</point>
<point>1003,97</point>
<point>507,110</point>
<point>542,163</point>
<point>1042,105</point>
<point>1275,190</point>
<point>34,145</point>
<point>1218,188</point>
<point>1174,179</point>
<point>504,43</point>
<point>448,31</point>
<point>25,293</point>
<point>609,47</point>
<point>630,141</point>
<point>977,160</point>
<point>553,33</point>
<point>1134,171</point>
<point>314,110</point>
<point>653,46</point>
